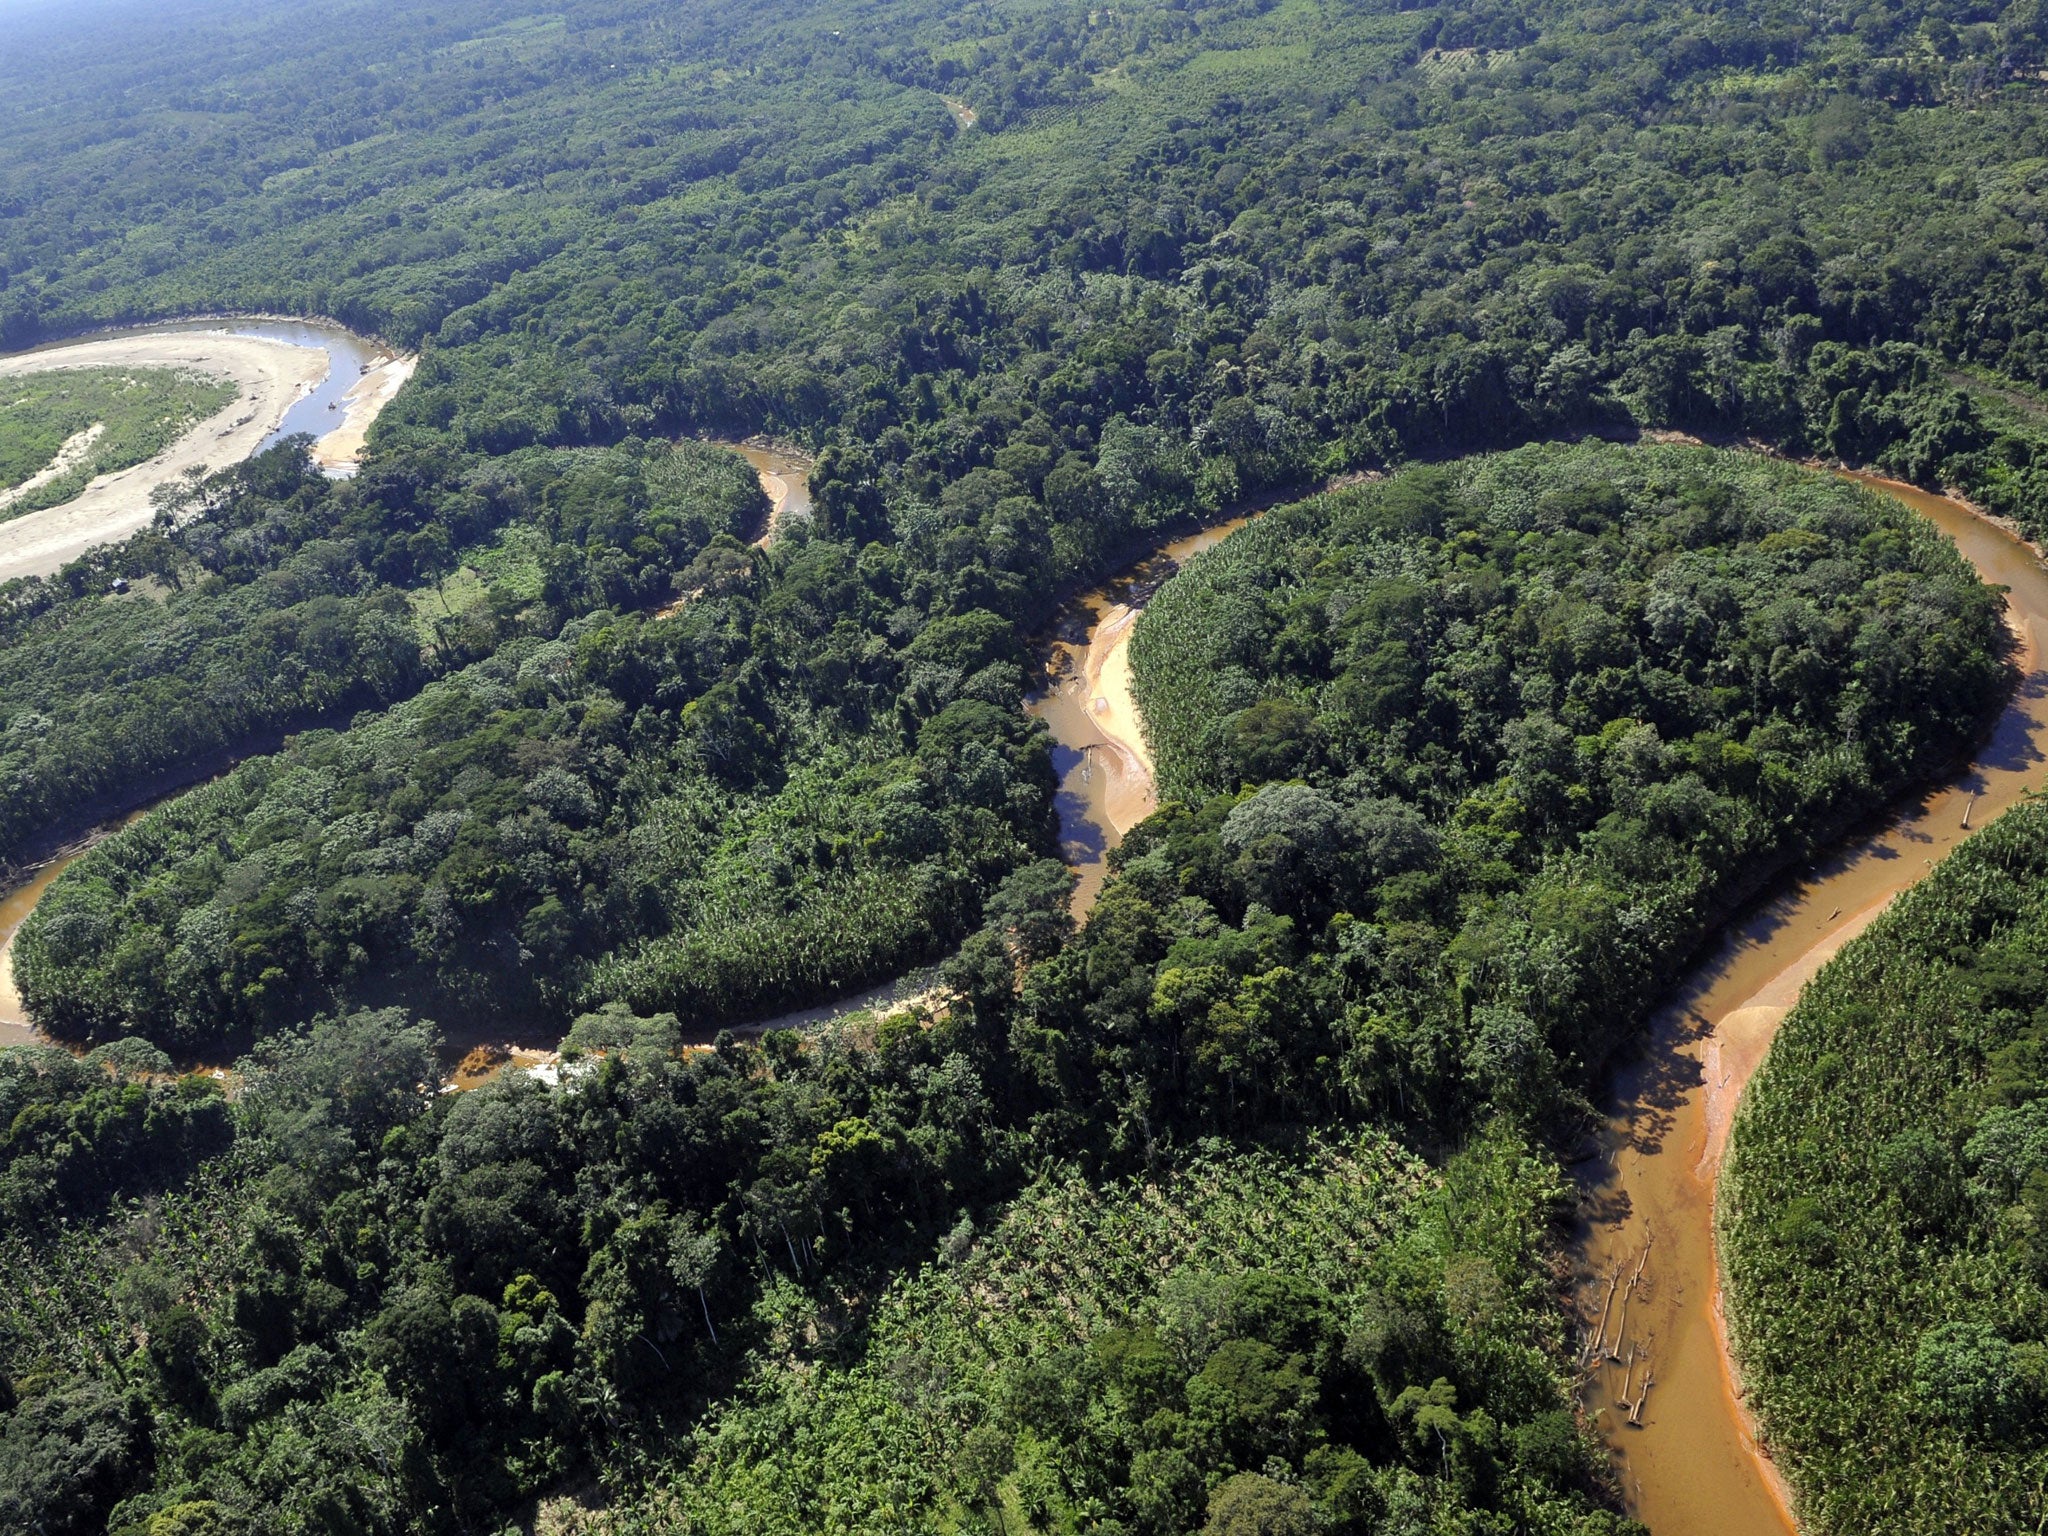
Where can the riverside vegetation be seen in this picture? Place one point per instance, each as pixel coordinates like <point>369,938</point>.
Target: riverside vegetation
<point>1637,669</point>
<point>1470,762</point>
<point>1886,1213</point>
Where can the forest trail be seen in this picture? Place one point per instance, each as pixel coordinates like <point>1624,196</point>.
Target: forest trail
<point>1660,1382</point>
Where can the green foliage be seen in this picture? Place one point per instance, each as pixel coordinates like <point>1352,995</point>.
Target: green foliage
<point>65,1459</point>
<point>1173,1344</point>
<point>1548,715</point>
<point>74,1135</point>
<point>110,417</point>
<point>1881,1213</point>
<point>386,1307</point>
<point>1630,683</point>
<point>521,836</point>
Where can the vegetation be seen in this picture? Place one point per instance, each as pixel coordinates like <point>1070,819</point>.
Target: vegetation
<point>1230,1300</point>
<point>1468,762</point>
<point>72,424</point>
<point>1884,1217</point>
<point>769,222</point>
<point>270,597</point>
<point>736,807</point>
<point>1547,717</point>
<point>1245,1332</point>
<point>1465,225</point>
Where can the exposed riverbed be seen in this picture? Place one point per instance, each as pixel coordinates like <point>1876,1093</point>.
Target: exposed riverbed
<point>785,480</point>
<point>291,376</point>
<point>1689,1463</point>
<point>1099,751</point>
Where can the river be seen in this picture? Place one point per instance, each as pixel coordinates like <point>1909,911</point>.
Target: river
<point>321,409</point>
<point>785,480</point>
<point>476,1052</point>
<point>289,376</point>
<point>1689,1464</point>
<point>15,906</point>
<point>1099,752</point>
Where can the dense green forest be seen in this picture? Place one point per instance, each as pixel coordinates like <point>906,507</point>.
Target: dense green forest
<point>1236,1209</point>
<point>1885,1211</point>
<point>269,597</point>
<point>786,783</point>
<point>1461,224</point>
<point>1166,267</point>
<point>1299,1071</point>
<point>98,420</point>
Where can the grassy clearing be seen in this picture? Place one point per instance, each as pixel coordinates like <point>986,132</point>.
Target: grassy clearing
<point>139,412</point>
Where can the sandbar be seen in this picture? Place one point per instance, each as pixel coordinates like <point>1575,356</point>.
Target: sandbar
<point>271,377</point>
<point>1115,711</point>
<point>341,448</point>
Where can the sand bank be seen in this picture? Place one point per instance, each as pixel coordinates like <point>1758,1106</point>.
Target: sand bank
<point>1106,672</point>
<point>271,376</point>
<point>341,448</point>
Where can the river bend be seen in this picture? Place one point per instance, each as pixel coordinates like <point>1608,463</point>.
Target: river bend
<point>1689,1462</point>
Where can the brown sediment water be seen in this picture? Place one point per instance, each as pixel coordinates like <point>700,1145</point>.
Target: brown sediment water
<point>785,479</point>
<point>1659,1380</point>
<point>15,905</point>
<point>1099,751</point>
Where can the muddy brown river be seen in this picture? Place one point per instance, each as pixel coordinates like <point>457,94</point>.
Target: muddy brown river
<point>14,907</point>
<point>1659,1383</point>
<point>1099,752</point>
<point>1660,1386</point>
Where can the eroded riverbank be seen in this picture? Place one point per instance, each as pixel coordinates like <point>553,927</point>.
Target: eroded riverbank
<point>1660,1383</point>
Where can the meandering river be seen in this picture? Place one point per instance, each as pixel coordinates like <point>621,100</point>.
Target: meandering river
<point>1647,1274</point>
<point>1099,751</point>
<point>1689,1463</point>
<point>290,376</point>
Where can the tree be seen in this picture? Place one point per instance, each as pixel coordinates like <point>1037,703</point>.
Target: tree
<point>1249,1504</point>
<point>985,1458</point>
<point>1970,1375</point>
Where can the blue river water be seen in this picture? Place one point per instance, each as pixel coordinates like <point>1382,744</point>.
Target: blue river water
<point>349,357</point>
